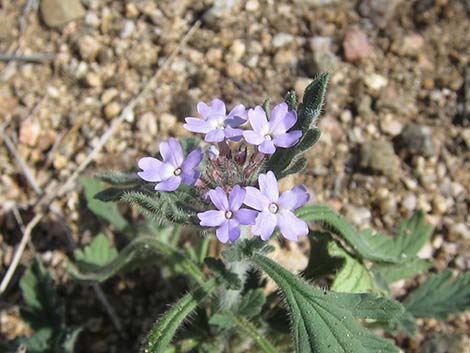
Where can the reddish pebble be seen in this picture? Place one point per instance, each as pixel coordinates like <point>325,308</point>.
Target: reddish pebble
<point>355,44</point>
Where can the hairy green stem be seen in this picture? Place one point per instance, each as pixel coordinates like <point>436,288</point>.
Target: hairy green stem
<point>249,329</point>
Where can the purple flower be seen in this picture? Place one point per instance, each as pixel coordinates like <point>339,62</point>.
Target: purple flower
<point>215,122</point>
<point>269,135</point>
<point>276,210</point>
<point>174,169</point>
<point>228,215</point>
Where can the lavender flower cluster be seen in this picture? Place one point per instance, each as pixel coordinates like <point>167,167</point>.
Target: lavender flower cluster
<point>265,208</point>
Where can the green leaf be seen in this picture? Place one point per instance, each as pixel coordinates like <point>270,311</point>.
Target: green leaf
<point>312,102</point>
<point>244,249</point>
<point>43,308</point>
<point>409,268</point>
<point>374,247</point>
<point>291,99</point>
<point>295,167</point>
<point>97,254</point>
<point>440,296</point>
<point>41,341</point>
<point>252,303</point>
<point>320,261</point>
<point>223,320</point>
<point>230,279</point>
<point>321,323</point>
<point>69,339</point>
<point>120,178</point>
<point>412,234</point>
<point>353,277</point>
<point>310,138</point>
<point>162,333</point>
<point>107,211</point>
<point>141,251</point>
<point>112,194</point>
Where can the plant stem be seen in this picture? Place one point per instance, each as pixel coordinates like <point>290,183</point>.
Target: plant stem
<point>248,328</point>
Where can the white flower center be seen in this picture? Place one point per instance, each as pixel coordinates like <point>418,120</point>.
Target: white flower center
<point>268,137</point>
<point>228,214</point>
<point>177,171</point>
<point>273,207</point>
<point>218,122</point>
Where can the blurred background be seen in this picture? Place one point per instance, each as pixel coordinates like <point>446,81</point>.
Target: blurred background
<point>395,127</point>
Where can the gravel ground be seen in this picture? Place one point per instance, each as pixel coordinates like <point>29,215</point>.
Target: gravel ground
<point>395,128</point>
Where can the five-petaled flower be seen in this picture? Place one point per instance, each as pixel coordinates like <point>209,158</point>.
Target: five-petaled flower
<point>229,214</point>
<point>276,210</point>
<point>174,169</point>
<point>215,122</point>
<point>268,135</point>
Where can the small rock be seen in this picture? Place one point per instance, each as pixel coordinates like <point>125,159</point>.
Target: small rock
<point>167,122</point>
<point>235,70</point>
<point>461,229</point>
<point>323,57</point>
<point>252,5</point>
<point>112,109</point>
<point>128,29</point>
<point>88,47</point>
<point>57,13</point>
<point>29,132</point>
<point>380,12</point>
<point>409,202</point>
<point>92,20</point>
<point>93,79</point>
<point>450,343</point>
<point>282,39</point>
<point>317,3</point>
<point>237,50</point>
<point>439,204</point>
<point>108,95</point>
<point>143,55</point>
<point>390,126</point>
<point>360,216</point>
<point>409,45</point>
<point>378,156</point>
<point>220,9</point>
<point>131,10</point>
<point>417,140</point>
<point>375,81</point>
<point>355,45</point>
<point>285,57</point>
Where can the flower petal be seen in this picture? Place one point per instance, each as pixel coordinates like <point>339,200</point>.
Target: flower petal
<point>294,198</point>
<point>253,138</point>
<point>236,198</point>
<point>288,139</point>
<point>172,152</point>
<point>216,135</point>
<point>190,178</point>
<point>281,119</point>
<point>233,230</point>
<point>217,107</point>
<point>197,125</point>
<point>233,134</point>
<point>276,120</point>
<point>153,169</point>
<point>219,198</point>
<point>203,109</point>
<point>258,120</point>
<point>222,232</point>
<point>192,160</point>
<point>170,184</point>
<point>246,216</point>
<point>290,226</point>
<point>238,113</point>
<point>267,147</point>
<point>264,225</point>
<point>212,218</point>
<point>268,186</point>
<point>255,199</point>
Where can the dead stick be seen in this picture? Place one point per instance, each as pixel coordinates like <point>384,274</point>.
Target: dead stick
<point>19,252</point>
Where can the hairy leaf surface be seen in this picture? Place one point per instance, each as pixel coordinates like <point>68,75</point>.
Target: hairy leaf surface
<point>320,322</point>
